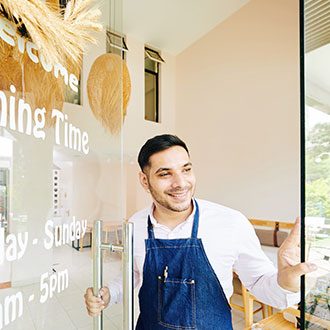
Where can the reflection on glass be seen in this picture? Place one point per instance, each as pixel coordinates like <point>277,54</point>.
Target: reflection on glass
<point>317,222</point>
<point>49,191</point>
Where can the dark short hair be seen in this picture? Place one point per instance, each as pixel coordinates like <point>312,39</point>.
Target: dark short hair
<point>157,144</point>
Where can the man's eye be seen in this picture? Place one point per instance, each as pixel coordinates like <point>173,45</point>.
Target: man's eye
<point>164,174</point>
<point>187,169</point>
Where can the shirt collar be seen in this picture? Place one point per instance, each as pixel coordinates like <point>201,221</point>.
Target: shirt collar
<point>156,224</point>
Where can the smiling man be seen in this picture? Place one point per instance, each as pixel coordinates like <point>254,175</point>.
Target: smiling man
<point>185,250</point>
<point>168,176</point>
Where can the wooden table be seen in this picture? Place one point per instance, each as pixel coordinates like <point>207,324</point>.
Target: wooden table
<point>278,322</point>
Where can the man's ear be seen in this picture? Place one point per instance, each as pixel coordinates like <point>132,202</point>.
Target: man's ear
<point>144,181</point>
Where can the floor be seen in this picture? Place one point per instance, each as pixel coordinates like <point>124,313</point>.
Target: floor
<point>66,310</point>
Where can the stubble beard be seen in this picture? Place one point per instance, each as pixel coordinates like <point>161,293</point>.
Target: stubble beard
<point>164,203</point>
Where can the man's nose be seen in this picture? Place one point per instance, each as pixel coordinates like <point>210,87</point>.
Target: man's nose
<point>178,180</point>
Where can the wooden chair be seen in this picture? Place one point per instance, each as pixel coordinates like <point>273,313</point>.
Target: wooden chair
<point>274,237</point>
<point>111,227</point>
<point>89,230</point>
<point>247,308</point>
<point>107,227</point>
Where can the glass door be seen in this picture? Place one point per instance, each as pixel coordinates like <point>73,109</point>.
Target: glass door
<point>61,160</point>
<point>316,111</point>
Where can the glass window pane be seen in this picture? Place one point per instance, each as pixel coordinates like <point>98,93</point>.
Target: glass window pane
<point>317,152</point>
<point>150,97</point>
<point>150,64</point>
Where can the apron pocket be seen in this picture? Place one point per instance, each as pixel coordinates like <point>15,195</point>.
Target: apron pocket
<point>177,303</point>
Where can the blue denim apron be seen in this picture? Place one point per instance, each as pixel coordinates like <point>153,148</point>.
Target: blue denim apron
<point>180,289</point>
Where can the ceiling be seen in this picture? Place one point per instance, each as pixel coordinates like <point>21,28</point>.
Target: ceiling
<point>173,25</point>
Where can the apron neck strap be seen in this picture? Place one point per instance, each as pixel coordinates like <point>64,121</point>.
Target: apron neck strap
<point>151,234</point>
<point>194,230</point>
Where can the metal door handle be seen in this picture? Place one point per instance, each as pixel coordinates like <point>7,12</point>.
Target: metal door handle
<point>128,278</point>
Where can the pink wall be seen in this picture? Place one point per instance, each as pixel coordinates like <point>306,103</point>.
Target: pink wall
<point>237,107</point>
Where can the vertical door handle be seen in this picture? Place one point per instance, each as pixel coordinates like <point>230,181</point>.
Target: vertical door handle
<point>128,279</point>
<point>97,269</point>
<point>128,276</point>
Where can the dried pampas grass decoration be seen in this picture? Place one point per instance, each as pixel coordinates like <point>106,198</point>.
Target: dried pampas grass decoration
<point>37,87</point>
<point>56,36</point>
<point>109,90</point>
<point>60,37</point>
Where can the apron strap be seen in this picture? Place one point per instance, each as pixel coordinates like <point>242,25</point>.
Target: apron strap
<point>194,230</point>
<point>151,234</point>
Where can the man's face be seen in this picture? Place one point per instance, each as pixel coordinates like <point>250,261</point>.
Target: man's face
<point>170,179</point>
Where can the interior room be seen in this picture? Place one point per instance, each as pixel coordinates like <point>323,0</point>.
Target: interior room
<point>225,76</point>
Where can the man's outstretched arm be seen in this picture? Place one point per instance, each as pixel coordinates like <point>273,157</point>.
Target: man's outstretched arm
<point>278,288</point>
<point>290,269</point>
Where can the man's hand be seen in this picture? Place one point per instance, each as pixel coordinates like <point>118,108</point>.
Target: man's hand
<point>95,305</point>
<point>289,267</point>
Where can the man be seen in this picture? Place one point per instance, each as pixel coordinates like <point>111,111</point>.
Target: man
<point>191,247</point>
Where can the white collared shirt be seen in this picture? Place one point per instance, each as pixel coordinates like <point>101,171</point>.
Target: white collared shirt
<point>230,243</point>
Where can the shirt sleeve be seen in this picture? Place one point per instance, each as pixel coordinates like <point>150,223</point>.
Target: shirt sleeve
<point>257,272</point>
<point>116,286</point>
